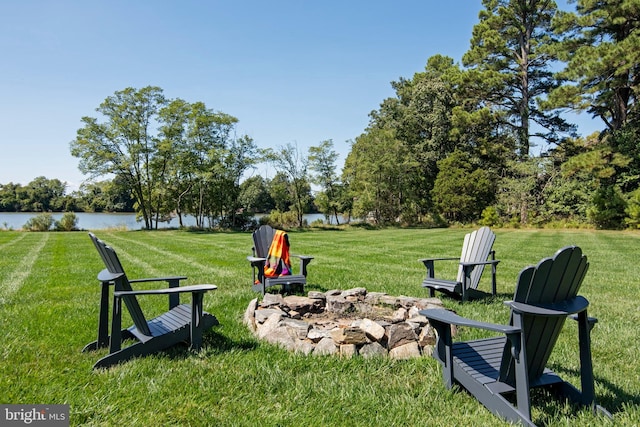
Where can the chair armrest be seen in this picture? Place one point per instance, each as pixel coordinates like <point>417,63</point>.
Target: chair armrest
<point>256,261</point>
<point>450,318</point>
<point>490,262</point>
<point>564,308</point>
<point>182,289</point>
<point>159,279</point>
<point>423,260</point>
<point>302,257</point>
<point>106,276</point>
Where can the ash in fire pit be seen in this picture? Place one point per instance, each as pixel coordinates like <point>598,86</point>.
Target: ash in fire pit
<point>348,323</point>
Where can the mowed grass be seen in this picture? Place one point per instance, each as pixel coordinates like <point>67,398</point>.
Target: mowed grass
<point>49,300</point>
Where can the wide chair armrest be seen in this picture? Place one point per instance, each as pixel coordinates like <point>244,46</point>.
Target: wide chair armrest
<point>563,308</point>
<point>256,261</point>
<point>450,318</point>
<point>182,289</point>
<point>172,280</point>
<point>431,260</point>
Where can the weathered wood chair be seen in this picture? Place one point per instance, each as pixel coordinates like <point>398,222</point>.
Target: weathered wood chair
<point>262,239</point>
<point>183,322</point>
<point>494,369</point>
<point>476,253</point>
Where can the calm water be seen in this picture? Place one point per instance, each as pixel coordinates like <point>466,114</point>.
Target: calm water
<point>100,221</point>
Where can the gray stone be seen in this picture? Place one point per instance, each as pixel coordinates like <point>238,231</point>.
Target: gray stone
<point>317,295</point>
<point>338,305</point>
<point>249,318</point>
<point>406,302</point>
<point>354,292</point>
<point>270,325</point>
<point>269,300</point>
<point>325,347</point>
<point>301,304</point>
<point>297,328</point>
<point>303,347</point>
<point>263,314</point>
<point>373,349</point>
<point>316,334</point>
<point>389,300</point>
<point>373,298</point>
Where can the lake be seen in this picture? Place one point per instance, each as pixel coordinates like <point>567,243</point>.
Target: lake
<point>101,221</point>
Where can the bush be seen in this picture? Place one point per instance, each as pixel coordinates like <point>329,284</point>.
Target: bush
<point>68,222</point>
<point>41,222</point>
<point>490,217</point>
<point>607,211</point>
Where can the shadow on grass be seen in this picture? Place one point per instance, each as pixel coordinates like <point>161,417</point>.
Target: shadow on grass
<point>614,400</point>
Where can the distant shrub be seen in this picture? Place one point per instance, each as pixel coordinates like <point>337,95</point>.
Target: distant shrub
<point>68,222</point>
<point>490,217</point>
<point>41,222</point>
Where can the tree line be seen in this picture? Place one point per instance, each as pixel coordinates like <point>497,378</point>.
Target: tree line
<point>485,140</point>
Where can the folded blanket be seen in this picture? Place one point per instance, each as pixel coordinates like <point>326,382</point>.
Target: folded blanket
<point>278,263</point>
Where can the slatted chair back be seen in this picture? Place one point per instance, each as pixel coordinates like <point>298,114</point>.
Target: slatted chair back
<point>476,248</point>
<point>553,281</point>
<point>113,266</point>
<point>262,239</point>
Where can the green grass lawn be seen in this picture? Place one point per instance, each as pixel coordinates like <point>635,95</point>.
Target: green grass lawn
<point>49,299</point>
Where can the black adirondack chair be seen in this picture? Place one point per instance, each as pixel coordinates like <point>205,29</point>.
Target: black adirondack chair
<point>494,369</point>
<point>262,239</point>
<point>476,253</point>
<point>182,323</point>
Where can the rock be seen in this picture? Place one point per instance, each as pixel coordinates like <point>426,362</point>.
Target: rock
<point>348,350</point>
<point>326,346</point>
<point>317,295</point>
<point>249,318</point>
<point>304,347</point>
<point>373,298</point>
<point>427,336</point>
<point>316,334</point>
<point>400,334</point>
<point>405,351</point>
<point>406,302</point>
<point>263,314</point>
<point>399,315</point>
<point>389,300</point>
<point>349,335</point>
<point>338,305</point>
<point>269,300</point>
<point>372,330</point>
<point>301,304</point>
<point>297,328</point>
<point>269,326</point>
<point>355,292</point>
<point>373,349</point>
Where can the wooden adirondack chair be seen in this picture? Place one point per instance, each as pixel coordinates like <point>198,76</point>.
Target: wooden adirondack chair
<point>492,369</point>
<point>476,253</point>
<point>183,322</point>
<point>262,239</point>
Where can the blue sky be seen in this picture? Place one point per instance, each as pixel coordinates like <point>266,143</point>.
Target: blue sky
<point>297,72</point>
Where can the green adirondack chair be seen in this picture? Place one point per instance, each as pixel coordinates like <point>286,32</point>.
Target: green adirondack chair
<point>497,368</point>
<point>182,323</point>
<point>262,239</point>
<point>477,251</point>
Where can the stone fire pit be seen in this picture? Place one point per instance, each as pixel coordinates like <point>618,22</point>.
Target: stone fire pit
<point>345,323</point>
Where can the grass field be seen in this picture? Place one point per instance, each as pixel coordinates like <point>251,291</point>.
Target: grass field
<point>49,299</point>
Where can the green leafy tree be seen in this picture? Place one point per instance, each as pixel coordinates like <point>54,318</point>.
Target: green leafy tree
<point>462,191</point>
<point>124,144</point>
<point>322,161</point>
<point>601,48</point>
<point>511,56</point>
<point>294,165</point>
<point>254,195</point>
